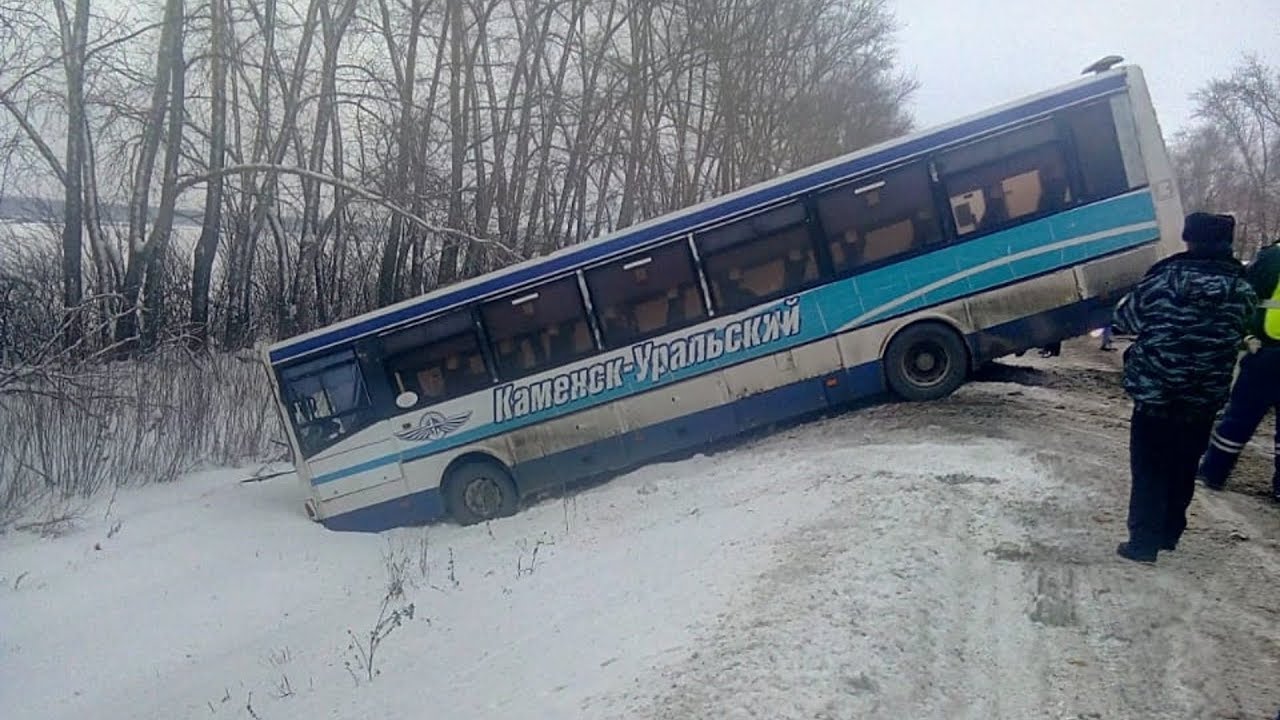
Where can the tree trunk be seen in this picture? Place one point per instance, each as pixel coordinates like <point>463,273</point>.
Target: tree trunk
<point>304,292</point>
<point>406,74</point>
<point>210,227</point>
<point>448,270</point>
<point>144,248</point>
<point>75,31</point>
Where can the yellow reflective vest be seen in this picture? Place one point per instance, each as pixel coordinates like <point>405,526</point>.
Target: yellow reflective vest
<point>1264,275</point>
<point>1271,315</point>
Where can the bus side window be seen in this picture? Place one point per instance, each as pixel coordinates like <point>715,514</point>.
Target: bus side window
<point>879,217</point>
<point>758,258</point>
<point>327,398</point>
<point>646,294</point>
<point>1097,145</point>
<point>1001,181</point>
<point>538,328</point>
<point>436,360</point>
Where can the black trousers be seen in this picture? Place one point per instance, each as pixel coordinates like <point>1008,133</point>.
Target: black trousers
<point>1164,454</point>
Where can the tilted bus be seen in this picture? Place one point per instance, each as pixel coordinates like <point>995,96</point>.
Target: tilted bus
<point>900,267</point>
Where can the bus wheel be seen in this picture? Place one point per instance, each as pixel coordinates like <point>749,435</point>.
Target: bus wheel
<point>478,491</point>
<point>926,362</point>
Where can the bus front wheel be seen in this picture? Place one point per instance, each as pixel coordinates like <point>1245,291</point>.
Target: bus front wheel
<point>478,491</point>
<point>926,362</point>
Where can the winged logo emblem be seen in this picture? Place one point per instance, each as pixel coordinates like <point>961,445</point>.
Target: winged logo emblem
<point>434,426</point>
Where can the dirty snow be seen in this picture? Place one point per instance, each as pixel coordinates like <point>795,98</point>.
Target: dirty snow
<point>944,560</point>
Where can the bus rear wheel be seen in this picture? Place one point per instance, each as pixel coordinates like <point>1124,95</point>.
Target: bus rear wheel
<point>477,491</point>
<point>926,362</point>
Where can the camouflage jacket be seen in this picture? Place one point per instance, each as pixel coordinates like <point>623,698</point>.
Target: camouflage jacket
<point>1189,315</point>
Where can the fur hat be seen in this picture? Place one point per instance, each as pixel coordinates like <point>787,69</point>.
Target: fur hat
<point>1209,230</point>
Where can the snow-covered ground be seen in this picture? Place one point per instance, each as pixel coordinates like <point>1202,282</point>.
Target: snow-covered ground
<point>945,560</point>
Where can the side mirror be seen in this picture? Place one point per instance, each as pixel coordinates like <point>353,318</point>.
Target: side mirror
<point>406,399</point>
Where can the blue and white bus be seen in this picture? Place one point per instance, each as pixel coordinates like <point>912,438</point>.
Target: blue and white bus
<point>898,268</point>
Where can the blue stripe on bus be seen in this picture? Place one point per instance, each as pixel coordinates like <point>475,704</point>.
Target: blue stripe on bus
<point>679,224</point>
<point>683,434</point>
<point>834,307</point>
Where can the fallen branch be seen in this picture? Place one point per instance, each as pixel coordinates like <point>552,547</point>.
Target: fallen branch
<point>263,478</point>
<point>42,524</point>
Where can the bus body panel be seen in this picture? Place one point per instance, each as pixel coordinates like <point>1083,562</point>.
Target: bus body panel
<point>372,463</point>
<point>1003,261</point>
<point>1012,303</point>
<point>685,415</point>
<point>852,349</point>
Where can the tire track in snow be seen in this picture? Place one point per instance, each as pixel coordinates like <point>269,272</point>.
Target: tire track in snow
<point>893,603</point>
<point>941,593</point>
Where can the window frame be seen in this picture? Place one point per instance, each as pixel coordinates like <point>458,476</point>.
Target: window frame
<point>325,363</point>
<point>467,322</point>
<point>582,306</point>
<point>933,200</point>
<point>805,224</point>
<point>1059,142</point>
<point>1068,125</point>
<point>696,279</point>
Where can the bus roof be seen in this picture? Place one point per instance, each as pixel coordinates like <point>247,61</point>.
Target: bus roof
<point>692,218</point>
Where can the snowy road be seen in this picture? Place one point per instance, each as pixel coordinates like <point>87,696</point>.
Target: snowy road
<point>944,560</point>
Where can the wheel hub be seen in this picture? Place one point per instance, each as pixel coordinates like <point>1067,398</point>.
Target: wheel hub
<point>483,496</point>
<point>926,363</point>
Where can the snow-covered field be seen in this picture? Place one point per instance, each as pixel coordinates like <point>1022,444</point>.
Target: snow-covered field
<point>945,560</point>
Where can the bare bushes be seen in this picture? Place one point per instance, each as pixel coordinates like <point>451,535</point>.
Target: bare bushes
<point>66,436</point>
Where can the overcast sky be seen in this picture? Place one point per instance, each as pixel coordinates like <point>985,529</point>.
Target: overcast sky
<point>971,55</point>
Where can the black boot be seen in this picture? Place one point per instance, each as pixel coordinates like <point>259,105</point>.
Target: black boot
<point>1129,552</point>
<point>1214,485</point>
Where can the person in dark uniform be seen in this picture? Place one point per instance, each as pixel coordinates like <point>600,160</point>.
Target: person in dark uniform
<point>1188,316</point>
<point>1257,387</point>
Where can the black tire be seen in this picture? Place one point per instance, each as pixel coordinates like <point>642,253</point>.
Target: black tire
<point>479,490</point>
<point>926,362</point>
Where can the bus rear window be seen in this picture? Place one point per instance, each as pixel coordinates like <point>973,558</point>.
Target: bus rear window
<point>437,360</point>
<point>538,328</point>
<point>646,294</point>
<point>327,400</point>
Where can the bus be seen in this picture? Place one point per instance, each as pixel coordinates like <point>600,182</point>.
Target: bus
<point>899,268</point>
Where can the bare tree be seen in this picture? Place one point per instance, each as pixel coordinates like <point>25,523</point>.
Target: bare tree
<point>1229,160</point>
<point>405,67</point>
<point>211,227</point>
<point>75,34</point>
<point>149,241</point>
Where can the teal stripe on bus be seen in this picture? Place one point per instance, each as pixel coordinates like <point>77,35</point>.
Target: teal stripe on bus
<point>1075,236</point>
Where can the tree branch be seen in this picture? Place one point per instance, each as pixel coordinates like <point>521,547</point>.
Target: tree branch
<point>188,182</point>
<point>45,151</point>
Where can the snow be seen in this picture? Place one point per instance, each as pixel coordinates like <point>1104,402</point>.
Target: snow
<point>207,579</point>
<point>878,564</point>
